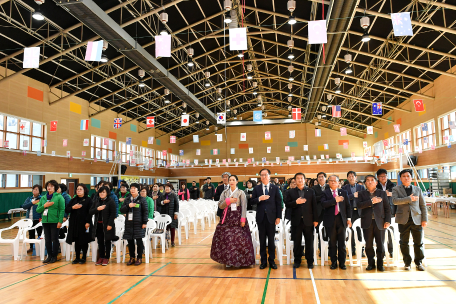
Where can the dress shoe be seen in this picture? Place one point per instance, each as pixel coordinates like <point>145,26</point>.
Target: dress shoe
<point>138,262</point>
<point>99,262</point>
<point>76,261</point>
<point>53,260</point>
<point>173,245</point>
<point>47,260</point>
<point>333,266</point>
<point>370,267</point>
<point>380,268</point>
<point>30,250</point>
<point>391,255</point>
<point>82,261</point>
<point>273,265</point>
<point>420,267</point>
<point>407,267</point>
<point>343,267</point>
<point>310,266</point>
<point>263,266</point>
<point>131,262</point>
<point>296,265</point>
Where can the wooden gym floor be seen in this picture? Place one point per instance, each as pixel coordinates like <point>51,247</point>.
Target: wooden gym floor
<point>186,274</point>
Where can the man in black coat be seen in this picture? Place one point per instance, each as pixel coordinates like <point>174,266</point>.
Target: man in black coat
<point>208,190</point>
<point>336,218</point>
<point>303,204</point>
<point>220,189</point>
<point>375,217</point>
<point>269,211</point>
<point>194,191</point>
<point>319,189</point>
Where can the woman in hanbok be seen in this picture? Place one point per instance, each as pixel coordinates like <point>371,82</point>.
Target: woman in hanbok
<point>232,242</point>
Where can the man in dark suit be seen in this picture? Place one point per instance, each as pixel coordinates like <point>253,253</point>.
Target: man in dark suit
<point>319,189</point>
<point>336,218</point>
<point>194,191</point>
<point>269,211</point>
<point>375,217</point>
<point>386,185</point>
<point>220,189</point>
<point>208,189</point>
<point>303,204</point>
<point>352,187</point>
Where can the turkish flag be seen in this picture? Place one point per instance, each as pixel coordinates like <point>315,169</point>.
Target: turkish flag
<point>419,105</point>
<point>150,121</point>
<point>53,126</point>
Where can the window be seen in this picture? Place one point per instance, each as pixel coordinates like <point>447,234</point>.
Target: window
<point>391,150</point>
<point>423,173</point>
<point>20,180</point>
<point>404,137</point>
<point>424,139</point>
<point>448,127</point>
<point>174,159</point>
<point>148,155</point>
<point>161,160</point>
<point>102,148</point>
<point>28,138</point>
<point>96,179</point>
<point>125,150</point>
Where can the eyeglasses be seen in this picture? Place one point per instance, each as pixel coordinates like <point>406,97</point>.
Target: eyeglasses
<point>264,175</point>
<point>332,180</point>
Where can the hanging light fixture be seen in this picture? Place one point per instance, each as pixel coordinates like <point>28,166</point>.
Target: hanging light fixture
<point>227,5</point>
<point>290,86</point>
<point>207,84</point>
<point>219,98</point>
<point>207,124</point>
<point>337,81</point>
<point>290,43</point>
<point>366,37</point>
<point>348,70</point>
<point>167,100</point>
<point>37,14</point>
<point>338,90</point>
<point>291,5</point>
<point>319,116</point>
<point>290,94</point>
<point>323,108</point>
<point>290,108</point>
<point>227,18</point>
<point>291,20</point>
<point>291,56</point>
<point>291,78</point>
<point>290,68</point>
<point>166,92</point>
<point>207,74</point>
<point>254,84</point>
<point>141,74</point>
<point>329,96</point>
<point>254,92</point>
<point>190,63</point>
<point>163,32</point>
<point>104,58</point>
<point>249,67</point>
<point>141,84</point>
<point>197,116</point>
<point>290,99</point>
<point>241,55</point>
<point>249,76</point>
<point>164,17</point>
<point>365,22</point>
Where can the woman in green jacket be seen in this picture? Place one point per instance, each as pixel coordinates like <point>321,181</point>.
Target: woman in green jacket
<point>52,207</point>
<point>149,200</point>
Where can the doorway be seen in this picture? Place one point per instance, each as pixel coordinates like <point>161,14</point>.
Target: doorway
<point>71,185</point>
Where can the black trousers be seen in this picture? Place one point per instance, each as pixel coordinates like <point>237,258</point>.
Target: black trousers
<point>370,234</point>
<point>267,229</point>
<point>104,247</point>
<point>417,234</point>
<point>80,244</point>
<point>39,230</point>
<point>140,248</point>
<point>51,238</point>
<point>298,232</point>
<point>337,251</point>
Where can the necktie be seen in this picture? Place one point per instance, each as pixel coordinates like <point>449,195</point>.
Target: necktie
<point>226,187</point>
<point>337,204</point>
<point>266,192</point>
<point>322,188</point>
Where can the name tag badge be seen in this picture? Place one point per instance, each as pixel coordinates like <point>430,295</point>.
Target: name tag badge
<point>137,206</point>
<point>233,207</point>
<point>130,216</point>
<point>45,213</point>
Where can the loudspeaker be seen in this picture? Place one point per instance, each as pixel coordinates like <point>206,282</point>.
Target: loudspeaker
<point>115,180</point>
<point>123,169</point>
<point>413,160</point>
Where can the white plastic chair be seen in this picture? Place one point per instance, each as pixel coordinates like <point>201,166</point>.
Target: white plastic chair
<point>120,227</point>
<point>156,214</point>
<point>358,244</point>
<point>395,240</point>
<point>22,225</point>
<point>191,218</point>
<point>182,222</point>
<point>324,250</point>
<point>254,234</point>
<point>289,244</point>
<point>151,225</point>
<point>40,242</point>
<point>162,223</point>
<point>278,241</point>
<point>63,245</point>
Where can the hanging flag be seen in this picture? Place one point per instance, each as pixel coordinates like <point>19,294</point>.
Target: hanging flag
<point>425,139</point>
<point>377,108</point>
<point>232,151</point>
<point>306,147</point>
<point>162,46</point>
<point>150,140</point>
<point>287,148</point>
<point>317,132</point>
<point>250,150</point>
<point>84,125</point>
<point>452,125</point>
<point>277,160</point>
<point>117,123</point>
<point>353,154</point>
<point>105,142</point>
<point>336,111</point>
<point>385,143</point>
<point>424,127</point>
<point>268,149</point>
<point>185,120</point>
<point>195,138</point>
<point>257,116</point>
<point>65,142</point>
<point>221,118</point>
<point>406,142</point>
<point>296,113</point>
<point>343,131</point>
<point>243,136</point>
<point>402,24</point>
<point>195,162</point>
<point>172,139</point>
<point>267,135</point>
<point>326,146</point>
<point>53,127</point>
<point>198,151</point>
<point>128,141</point>
<point>93,51</point>
<point>238,39</point>
<point>364,144</point>
<point>25,143</point>
<point>370,130</point>
<point>291,134</point>
<point>317,32</point>
<point>397,128</point>
<point>419,105</point>
<point>345,145</point>
<point>219,137</point>
<point>23,126</point>
<point>215,151</point>
<point>150,121</point>
<point>31,58</point>
<point>86,142</point>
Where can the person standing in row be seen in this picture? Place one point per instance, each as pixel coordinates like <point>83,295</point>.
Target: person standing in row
<point>184,194</point>
<point>208,190</point>
<point>220,189</point>
<point>135,209</point>
<point>169,204</point>
<point>194,191</point>
<point>386,185</point>
<point>112,194</point>
<point>412,217</point>
<point>250,184</point>
<point>149,201</point>
<point>105,212</point>
<point>30,204</point>
<point>285,198</point>
<point>269,212</point>
<point>155,197</point>
<point>123,195</point>
<point>80,223</point>
<point>302,202</point>
<point>336,218</point>
<point>319,188</point>
<point>375,218</point>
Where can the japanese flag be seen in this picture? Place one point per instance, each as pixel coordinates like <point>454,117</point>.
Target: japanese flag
<point>185,120</point>
<point>243,136</point>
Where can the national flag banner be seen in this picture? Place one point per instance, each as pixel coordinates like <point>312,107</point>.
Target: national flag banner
<point>307,157</point>
<point>336,111</point>
<point>406,142</point>
<point>377,108</point>
<point>219,137</point>
<point>250,150</point>
<point>195,138</point>
<point>327,156</point>
<point>86,142</point>
<point>215,151</point>
<point>150,121</point>
<point>445,138</point>
<point>217,161</point>
<point>370,130</point>
<point>385,143</point>
<point>338,155</point>
<point>195,161</point>
<point>117,123</point>
<point>263,159</point>
<point>84,125</point>
<point>185,119</point>
<point>345,145</point>
<point>287,148</point>
<point>24,126</point>
<point>150,140</point>
<point>172,139</point>
<point>318,161</point>
<point>68,154</point>
<point>326,146</point>
<point>128,141</point>
<point>401,151</point>
<point>353,154</point>
<point>317,32</point>
<point>317,132</point>
<point>31,58</point>
<point>93,51</point>
<point>249,160</point>
<point>419,105</point>
<point>131,153</point>
<point>243,136</point>
<point>99,153</point>
<point>314,157</point>
<point>164,153</point>
<point>106,141</point>
<point>452,125</point>
<point>267,135</point>
<point>268,149</point>
<point>397,128</point>
<point>257,116</point>
<point>238,39</point>
<point>25,143</point>
<point>290,158</point>
<point>432,147</point>
<point>420,150</point>
<point>425,140</point>
<point>424,127</point>
<point>162,46</point>
<point>291,134</point>
<point>43,143</point>
<point>306,147</point>
<point>232,151</point>
<point>65,142</point>
<point>223,161</point>
<point>236,164</point>
<point>296,113</point>
<point>221,118</point>
<point>198,151</point>
<point>53,127</point>
<point>343,131</point>
<point>364,144</point>
<point>277,160</point>
<point>402,24</point>
<point>322,156</point>
<point>229,160</point>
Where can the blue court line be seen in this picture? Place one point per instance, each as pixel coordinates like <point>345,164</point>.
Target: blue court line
<point>441,237</point>
<point>441,223</point>
<point>294,273</point>
<point>438,231</point>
